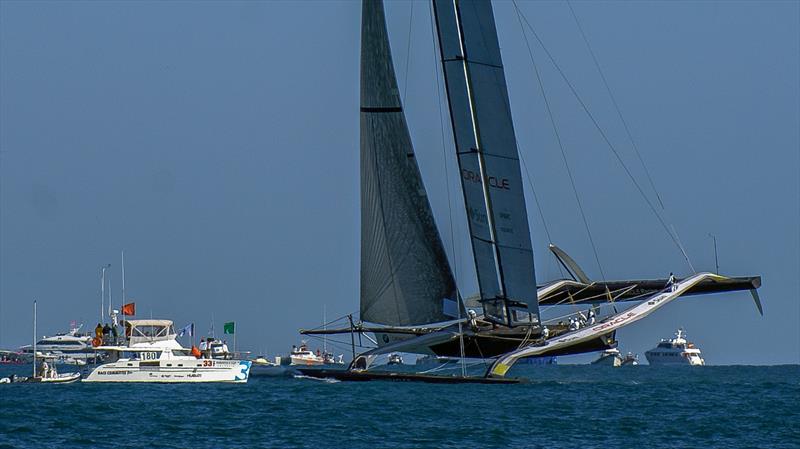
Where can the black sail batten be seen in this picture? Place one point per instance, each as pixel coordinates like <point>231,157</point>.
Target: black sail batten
<point>486,150</point>
<point>405,274</point>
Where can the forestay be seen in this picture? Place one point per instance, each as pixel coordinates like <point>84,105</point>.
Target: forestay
<point>487,156</point>
<point>405,275</point>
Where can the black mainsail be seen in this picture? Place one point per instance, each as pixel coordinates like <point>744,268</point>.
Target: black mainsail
<point>488,160</point>
<point>405,275</point>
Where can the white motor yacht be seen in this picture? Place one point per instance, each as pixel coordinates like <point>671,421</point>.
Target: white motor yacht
<point>675,351</point>
<point>154,355</point>
<point>68,347</point>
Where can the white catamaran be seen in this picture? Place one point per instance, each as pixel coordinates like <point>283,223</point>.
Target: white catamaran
<point>154,355</point>
<point>409,297</point>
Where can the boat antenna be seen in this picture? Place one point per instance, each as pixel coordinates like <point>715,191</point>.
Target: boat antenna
<point>102,290</point>
<point>352,338</point>
<point>124,298</point>
<point>716,259</point>
<point>324,327</point>
<point>34,338</point>
<point>110,298</point>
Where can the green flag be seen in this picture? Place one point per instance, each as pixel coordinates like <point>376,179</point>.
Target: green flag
<point>228,328</point>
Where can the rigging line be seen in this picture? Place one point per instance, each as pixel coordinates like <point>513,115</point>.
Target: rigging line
<point>558,139</point>
<point>616,105</point>
<point>408,52</point>
<point>539,207</point>
<point>603,135</point>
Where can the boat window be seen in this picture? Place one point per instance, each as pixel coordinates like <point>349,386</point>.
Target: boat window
<point>169,364</point>
<point>59,343</point>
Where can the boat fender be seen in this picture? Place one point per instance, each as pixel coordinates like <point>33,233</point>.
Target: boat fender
<point>196,352</point>
<point>96,341</point>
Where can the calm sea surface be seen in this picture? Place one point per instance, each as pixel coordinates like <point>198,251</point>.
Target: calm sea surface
<point>562,406</point>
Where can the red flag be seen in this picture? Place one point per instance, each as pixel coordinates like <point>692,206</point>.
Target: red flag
<point>129,309</point>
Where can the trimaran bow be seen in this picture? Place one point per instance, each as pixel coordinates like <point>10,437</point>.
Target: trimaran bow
<point>409,298</point>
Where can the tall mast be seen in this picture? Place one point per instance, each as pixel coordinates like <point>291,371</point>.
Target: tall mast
<point>34,338</point>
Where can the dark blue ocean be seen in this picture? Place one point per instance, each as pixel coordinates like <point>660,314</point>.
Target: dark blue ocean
<point>578,406</point>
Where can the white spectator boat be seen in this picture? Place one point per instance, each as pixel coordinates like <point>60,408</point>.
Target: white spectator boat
<point>675,351</point>
<point>154,355</point>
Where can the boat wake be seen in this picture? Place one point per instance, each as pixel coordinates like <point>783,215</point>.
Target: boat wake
<point>320,379</point>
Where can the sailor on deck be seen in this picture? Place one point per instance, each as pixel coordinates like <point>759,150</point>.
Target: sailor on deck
<point>473,319</point>
<point>671,283</point>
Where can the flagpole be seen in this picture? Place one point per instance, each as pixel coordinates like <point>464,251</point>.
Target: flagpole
<point>124,298</point>
<point>34,338</point>
<point>102,290</point>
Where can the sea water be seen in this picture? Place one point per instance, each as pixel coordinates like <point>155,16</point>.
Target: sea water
<point>579,406</point>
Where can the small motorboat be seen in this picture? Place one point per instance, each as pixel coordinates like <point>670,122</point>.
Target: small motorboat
<point>609,357</point>
<point>262,367</point>
<point>44,366</point>
<point>44,372</point>
<point>630,359</point>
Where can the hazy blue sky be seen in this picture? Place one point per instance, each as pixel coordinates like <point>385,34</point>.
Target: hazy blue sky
<point>217,144</point>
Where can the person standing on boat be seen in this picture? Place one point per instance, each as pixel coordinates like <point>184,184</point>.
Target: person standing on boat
<point>472,319</point>
<point>592,318</point>
<point>671,282</point>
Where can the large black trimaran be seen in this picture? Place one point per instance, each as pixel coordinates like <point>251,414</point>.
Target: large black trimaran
<point>409,298</point>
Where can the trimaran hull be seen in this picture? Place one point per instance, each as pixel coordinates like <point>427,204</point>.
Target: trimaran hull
<point>365,376</point>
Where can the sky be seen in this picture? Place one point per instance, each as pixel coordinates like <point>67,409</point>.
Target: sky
<point>217,145</point>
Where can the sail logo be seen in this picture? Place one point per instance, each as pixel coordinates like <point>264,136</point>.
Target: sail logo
<point>495,182</point>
